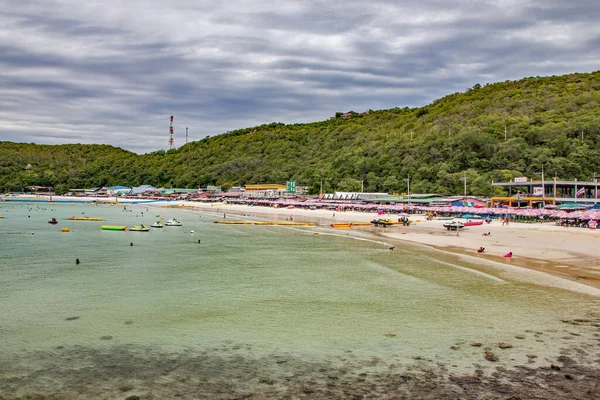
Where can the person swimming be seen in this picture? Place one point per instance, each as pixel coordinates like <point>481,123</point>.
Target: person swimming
<point>509,254</point>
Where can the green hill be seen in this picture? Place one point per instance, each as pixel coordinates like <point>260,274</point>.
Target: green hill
<point>463,133</point>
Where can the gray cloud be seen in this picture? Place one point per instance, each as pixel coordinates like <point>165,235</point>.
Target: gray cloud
<point>112,72</point>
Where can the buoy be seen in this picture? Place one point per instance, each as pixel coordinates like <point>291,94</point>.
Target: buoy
<point>65,230</point>
<point>316,233</point>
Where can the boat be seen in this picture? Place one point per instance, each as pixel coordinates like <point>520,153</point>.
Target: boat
<point>113,227</point>
<point>473,223</point>
<point>341,225</point>
<point>53,221</point>
<point>454,225</point>
<point>382,222</point>
<point>157,224</point>
<point>84,219</point>
<point>173,222</point>
<point>139,228</point>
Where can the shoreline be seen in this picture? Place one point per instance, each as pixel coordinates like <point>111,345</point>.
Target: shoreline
<point>542,248</point>
<point>566,253</point>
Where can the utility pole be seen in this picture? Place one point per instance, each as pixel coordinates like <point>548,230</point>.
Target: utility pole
<point>321,190</point>
<point>362,186</point>
<point>581,135</point>
<point>464,179</point>
<point>505,132</point>
<point>543,187</point>
<point>408,191</point>
<point>595,178</point>
<point>410,135</point>
<point>448,132</point>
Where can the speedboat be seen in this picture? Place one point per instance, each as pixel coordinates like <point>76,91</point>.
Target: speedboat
<point>53,221</point>
<point>454,225</point>
<point>157,224</point>
<point>382,222</point>
<point>473,223</point>
<point>140,228</point>
<point>173,222</point>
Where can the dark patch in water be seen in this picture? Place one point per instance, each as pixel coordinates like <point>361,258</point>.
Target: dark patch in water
<point>128,371</point>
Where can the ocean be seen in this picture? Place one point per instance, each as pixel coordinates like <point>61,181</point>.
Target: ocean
<point>226,311</point>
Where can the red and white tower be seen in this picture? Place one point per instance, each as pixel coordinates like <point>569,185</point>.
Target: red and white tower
<point>171,133</point>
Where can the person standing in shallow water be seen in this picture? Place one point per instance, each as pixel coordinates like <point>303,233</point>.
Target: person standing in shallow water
<point>77,261</point>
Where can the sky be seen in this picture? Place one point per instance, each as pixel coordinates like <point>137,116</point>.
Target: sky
<point>114,71</point>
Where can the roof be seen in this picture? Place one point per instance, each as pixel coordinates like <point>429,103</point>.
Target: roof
<point>142,189</point>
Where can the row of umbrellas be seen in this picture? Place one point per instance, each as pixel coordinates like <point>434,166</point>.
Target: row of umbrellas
<point>593,214</point>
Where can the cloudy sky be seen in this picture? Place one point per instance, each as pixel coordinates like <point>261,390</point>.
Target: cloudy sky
<point>113,71</point>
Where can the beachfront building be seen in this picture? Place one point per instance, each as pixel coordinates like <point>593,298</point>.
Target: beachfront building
<point>527,192</point>
<point>178,193</point>
<point>432,199</point>
<point>39,189</point>
<point>353,196</point>
<point>117,190</point>
<point>144,190</point>
<point>265,191</point>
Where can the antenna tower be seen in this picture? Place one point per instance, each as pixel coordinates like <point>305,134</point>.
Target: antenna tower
<point>186,135</point>
<point>171,133</point>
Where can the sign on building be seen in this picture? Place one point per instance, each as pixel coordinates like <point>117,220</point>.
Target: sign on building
<point>290,186</point>
<point>538,191</point>
<point>521,179</point>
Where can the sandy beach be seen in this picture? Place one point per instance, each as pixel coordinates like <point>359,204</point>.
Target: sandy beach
<point>570,253</point>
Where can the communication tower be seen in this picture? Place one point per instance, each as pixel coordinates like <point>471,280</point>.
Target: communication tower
<point>186,135</point>
<point>171,133</point>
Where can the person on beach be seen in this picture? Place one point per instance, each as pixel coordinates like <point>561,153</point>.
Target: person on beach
<point>481,249</point>
<point>508,255</point>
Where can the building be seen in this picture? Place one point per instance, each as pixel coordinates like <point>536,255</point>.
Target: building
<point>118,190</point>
<point>144,190</point>
<point>354,196</point>
<point>526,192</point>
<point>39,189</point>
<point>265,191</point>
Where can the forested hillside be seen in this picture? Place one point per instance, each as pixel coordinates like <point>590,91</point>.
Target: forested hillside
<point>552,122</point>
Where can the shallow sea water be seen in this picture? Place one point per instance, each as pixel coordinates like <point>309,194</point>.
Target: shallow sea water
<point>256,305</point>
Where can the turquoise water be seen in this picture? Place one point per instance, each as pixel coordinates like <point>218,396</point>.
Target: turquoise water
<point>263,289</point>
